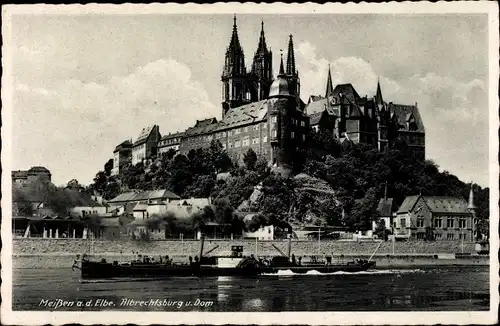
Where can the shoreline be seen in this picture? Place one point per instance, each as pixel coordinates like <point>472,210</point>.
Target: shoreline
<point>65,260</point>
<point>46,253</point>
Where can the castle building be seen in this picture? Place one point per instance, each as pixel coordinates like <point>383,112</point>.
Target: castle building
<point>146,145</point>
<point>266,114</point>
<point>366,120</point>
<point>36,173</point>
<point>168,142</point>
<point>121,156</point>
<point>258,111</point>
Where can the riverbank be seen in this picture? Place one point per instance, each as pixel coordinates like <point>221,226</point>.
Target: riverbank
<point>65,260</point>
<point>267,248</point>
<point>60,253</point>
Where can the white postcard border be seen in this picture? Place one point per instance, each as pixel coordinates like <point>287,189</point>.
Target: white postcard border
<point>341,318</point>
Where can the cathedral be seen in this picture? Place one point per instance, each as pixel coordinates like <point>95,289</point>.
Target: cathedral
<point>259,111</point>
<point>266,114</point>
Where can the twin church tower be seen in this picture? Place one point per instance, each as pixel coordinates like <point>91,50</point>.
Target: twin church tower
<point>241,86</point>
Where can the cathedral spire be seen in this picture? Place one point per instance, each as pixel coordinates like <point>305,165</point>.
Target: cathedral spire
<point>378,98</point>
<point>329,85</point>
<point>234,64</point>
<point>282,71</point>
<point>262,40</point>
<point>234,45</point>
<point>290,61</point>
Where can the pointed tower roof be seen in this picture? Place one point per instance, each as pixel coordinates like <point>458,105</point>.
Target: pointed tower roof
<point>471,198</point>
<point>279,87</point>
<point>282,70</point>
<point>329,85</point>
<point>234,44</point>
<point>379,101</point>
<point>290,60</point>
<point>262,40</point>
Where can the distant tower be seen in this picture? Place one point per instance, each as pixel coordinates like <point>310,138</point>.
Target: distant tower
<point>280,115</point>
<point>292,75</point>
<point>234,80</point>
<point>329,84</point>
<point>382,120</point>
<point>262,69</point>
<point>471,207</point>
<point>379,101</point>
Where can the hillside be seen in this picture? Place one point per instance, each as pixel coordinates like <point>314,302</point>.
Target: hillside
<point>327,179</point>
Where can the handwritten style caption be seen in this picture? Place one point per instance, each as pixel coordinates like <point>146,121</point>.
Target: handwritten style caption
<point>124,302</point>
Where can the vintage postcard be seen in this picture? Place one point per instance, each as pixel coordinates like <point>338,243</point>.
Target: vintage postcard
<point>250,163</point>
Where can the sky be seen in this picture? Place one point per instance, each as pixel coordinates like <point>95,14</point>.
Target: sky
<point>84,83</point>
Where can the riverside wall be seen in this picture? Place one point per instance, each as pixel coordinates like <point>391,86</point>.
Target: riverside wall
<point>60,253</point>
<point>265,248</point>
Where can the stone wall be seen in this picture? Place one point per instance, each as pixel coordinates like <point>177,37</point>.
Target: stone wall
<point>263,248</point>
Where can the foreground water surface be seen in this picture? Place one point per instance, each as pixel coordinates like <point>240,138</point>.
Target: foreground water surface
<point>433,289</point>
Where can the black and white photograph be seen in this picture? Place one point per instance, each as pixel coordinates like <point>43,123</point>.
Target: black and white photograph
<point>292,163</point>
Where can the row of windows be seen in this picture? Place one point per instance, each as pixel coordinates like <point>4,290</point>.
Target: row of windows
<point>438,222</point>
<point>169,141</point>
<point>439,236</point>
<point>450,222</point>
<point>139,148</point>
<point>245,142</point>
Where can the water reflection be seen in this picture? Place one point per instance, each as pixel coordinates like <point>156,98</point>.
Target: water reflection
<point>424,290</point>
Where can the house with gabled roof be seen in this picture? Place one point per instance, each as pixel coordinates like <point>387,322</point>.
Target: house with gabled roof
<point>435,218</point>
<point>146,144</point>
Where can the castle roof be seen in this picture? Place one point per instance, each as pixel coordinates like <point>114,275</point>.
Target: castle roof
<point>348,91</point>
<point>144,135</point>
<point>172,136</point>
<point>406,112</point>
<point>38,169</point>
<point>315,118</point>
<point>245,114</point>
<point>202,127</point>
<point>19,174</point>
<point>127,144</point>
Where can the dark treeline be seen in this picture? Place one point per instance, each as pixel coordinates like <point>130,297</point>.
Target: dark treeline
<point>356,174</point>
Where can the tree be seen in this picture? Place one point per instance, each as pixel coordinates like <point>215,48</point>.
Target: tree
<point>108,167</point>
<point>250,159</point>
<point>219,158</point>
<point>277,197</point>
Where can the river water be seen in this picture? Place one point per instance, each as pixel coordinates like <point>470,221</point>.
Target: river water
<point>432,289</point>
